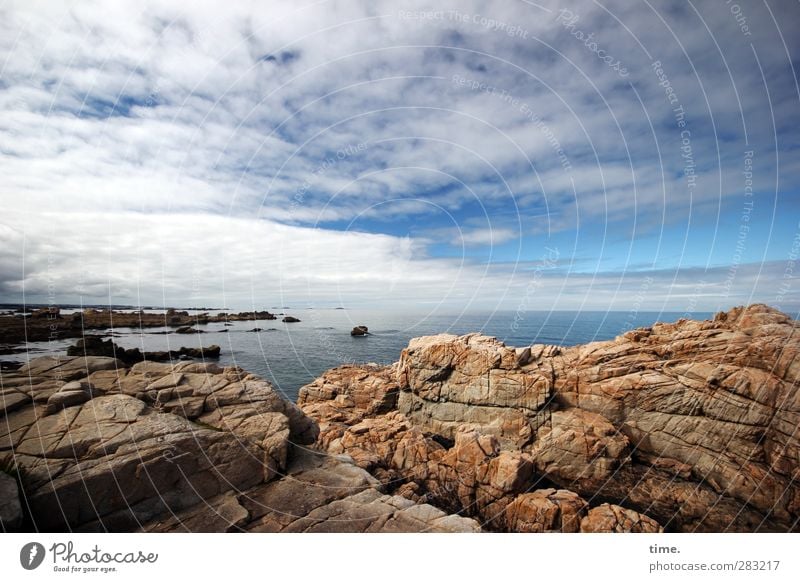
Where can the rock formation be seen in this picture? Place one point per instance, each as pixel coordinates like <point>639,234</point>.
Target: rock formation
<point>96,346</point>
<point>188,329</point>
<point>359,330</point>
<point>49,323</point>
<point>689,426</point>
<point>99,446</point>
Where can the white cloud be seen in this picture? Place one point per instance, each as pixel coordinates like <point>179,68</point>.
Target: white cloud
<point>226,115</point>
<point>201,259</point>
<point>205,258</point>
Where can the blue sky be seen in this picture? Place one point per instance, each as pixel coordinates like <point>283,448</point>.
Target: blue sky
<point>387,154</point>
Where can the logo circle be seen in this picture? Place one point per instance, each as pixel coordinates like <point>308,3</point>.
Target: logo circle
<point>31,555</point>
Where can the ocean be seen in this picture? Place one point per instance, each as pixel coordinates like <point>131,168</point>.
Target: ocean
<point>291,355</point>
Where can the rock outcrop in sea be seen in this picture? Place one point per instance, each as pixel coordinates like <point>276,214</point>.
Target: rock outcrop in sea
<point>688,426</point>
<point>49,323</point>
<point>95,346</point>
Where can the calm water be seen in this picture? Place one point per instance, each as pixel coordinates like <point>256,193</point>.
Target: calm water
<point>293,354</point>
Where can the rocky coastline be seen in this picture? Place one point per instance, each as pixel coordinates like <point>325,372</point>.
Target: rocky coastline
<point>683,427</point>
<point>96,346</point>
<point>49,323</point>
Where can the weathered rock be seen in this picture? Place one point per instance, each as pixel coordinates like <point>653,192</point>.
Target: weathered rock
<point>290,319</point>
<point>223,513</point>
<point>714,402</point>
<point>450,381</point>
<point>125,459</point>
<point>693,423</point>
<point>92,345</point>
<point>64,369</point>
<point>359,330</point>
<point>343,396</point>
<point>319,494</point>
<point>474,477</point>
<point>211,352</point>
<point>546,510</point>
<point>370,511</point>
<point>95,346</point>
<point>186,329</point>
<point>688,426</point>
<point>575,445</point>
<point>192,440</point>
<point>11,399</point>
<point>609,518</point>
<point>70,394</point>
<point>55,325</point>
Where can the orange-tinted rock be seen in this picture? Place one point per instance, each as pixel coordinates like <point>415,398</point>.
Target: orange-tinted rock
<point>449,381</point>
<point>692,422</point>
<point>609,518</point>
<point>191,447</point>
<point>546,510</point>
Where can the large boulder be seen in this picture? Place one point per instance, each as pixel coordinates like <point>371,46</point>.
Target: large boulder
<point>575,446</point>
<point>712,402</point>
<point>319,494</point>
<point>448,381</point>
<point>70,394</point>
<point>546,510</point>
<point>186,447</point>
<point>608,518</point>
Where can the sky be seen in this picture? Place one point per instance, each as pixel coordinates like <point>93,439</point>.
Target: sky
<point>514,155</point>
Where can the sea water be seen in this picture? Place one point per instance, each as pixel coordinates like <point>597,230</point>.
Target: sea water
<point>291,355</point>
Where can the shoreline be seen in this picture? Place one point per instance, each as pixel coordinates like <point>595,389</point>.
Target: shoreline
<point>48,323</point>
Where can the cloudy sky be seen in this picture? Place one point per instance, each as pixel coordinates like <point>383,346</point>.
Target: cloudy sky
<point>573,155</point>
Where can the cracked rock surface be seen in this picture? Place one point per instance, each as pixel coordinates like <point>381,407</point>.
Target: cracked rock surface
<point>685,426</point>
<point>100,446</point>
